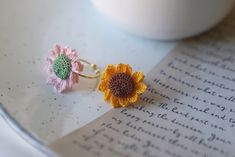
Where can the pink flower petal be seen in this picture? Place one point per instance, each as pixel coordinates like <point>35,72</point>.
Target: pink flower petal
<point>77,66</point>
<point>53,55</point>
<point>58,87</point>
<point>73,78</point>
<point>67,50</point>
<point>63,86</point>
<point>81,66</point>
<point>73,55</point>
<point>49,61</point>
<point>49,65</point>
<point>57,48</point>
<point>53,80</point>
<point>63,51</point>
<point>55,52</point>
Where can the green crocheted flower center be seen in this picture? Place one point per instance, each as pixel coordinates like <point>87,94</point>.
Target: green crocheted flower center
<point>62,66</point>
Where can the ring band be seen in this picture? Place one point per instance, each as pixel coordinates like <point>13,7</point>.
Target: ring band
<point>94,68</point>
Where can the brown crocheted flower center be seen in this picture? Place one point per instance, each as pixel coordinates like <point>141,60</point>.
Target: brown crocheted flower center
<point>121,85</point>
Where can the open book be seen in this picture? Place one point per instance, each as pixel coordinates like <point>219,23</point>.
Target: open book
<point>187,111</point>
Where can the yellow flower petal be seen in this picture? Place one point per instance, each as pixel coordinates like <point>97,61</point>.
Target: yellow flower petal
<point>140,88</point>
<point>133,98</point>
<point>123,102</point>
<point>114,101</point>
<point>103,86</point>
<point>138,76</point>
<point>107,95</point>
<point>128,69</point>
<point>109,71</point>
<point>121,68</point>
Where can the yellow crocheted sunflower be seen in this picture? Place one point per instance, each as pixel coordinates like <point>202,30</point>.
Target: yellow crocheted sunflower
<point>120,86</point>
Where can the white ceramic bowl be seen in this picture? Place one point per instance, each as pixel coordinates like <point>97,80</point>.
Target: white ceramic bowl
<point>165,19</point>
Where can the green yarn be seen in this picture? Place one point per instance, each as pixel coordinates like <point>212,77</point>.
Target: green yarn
<point>62,66</point>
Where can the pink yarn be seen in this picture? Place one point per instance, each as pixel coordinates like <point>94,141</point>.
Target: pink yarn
<point>76,67</point>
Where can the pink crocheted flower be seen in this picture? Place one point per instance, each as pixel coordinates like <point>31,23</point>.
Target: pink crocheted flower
<point>63,66</point>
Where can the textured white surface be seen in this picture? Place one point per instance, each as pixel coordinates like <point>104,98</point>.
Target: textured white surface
<point>28,29</point>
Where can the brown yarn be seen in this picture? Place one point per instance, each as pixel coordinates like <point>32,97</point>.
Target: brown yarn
<point>121,85</point>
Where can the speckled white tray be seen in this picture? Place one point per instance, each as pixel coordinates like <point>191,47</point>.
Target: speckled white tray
<point>28,30</point>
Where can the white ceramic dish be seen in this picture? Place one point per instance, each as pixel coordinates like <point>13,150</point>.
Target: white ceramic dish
<point>165,19</point>
<point>27,33</point>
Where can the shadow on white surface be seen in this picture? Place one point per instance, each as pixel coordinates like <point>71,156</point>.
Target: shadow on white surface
<point>12,145</point>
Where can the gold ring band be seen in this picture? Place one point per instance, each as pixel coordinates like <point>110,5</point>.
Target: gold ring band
<point>94,67</point>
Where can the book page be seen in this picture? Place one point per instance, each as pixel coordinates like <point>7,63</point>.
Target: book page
<point>187,111</point>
